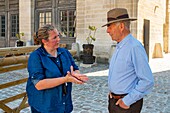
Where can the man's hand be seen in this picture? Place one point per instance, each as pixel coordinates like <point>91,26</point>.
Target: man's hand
<point>110,95</point>
<point>122,104</point>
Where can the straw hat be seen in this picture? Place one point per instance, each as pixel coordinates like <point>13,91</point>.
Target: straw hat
<point>116,15</point>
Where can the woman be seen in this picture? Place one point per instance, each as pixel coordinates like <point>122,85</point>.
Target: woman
<point>52,71</point>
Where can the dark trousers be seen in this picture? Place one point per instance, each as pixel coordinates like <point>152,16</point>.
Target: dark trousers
<point>134,108</point>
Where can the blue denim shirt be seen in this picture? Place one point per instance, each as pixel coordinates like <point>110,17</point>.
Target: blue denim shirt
<point>40,66</point>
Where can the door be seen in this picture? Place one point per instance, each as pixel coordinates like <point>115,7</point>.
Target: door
<point>146,30</point>
<point>9,22</point>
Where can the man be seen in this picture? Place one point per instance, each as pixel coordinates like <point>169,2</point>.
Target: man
<point>130,76</point>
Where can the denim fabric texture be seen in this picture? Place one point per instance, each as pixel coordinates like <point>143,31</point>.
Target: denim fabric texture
<point>40,66</point>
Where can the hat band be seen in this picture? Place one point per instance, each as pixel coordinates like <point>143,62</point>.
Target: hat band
<point>119,17</point>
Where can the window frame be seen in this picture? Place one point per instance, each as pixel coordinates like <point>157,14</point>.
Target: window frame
<point>67,34</point>
<point>45,15</point>
<point>16,29</point>
<point>1,26</point>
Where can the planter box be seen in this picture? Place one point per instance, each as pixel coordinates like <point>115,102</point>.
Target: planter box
<point>68,41</point>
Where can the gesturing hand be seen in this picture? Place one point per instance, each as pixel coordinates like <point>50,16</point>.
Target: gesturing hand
<point>78,76</point>
<point>70,78</point>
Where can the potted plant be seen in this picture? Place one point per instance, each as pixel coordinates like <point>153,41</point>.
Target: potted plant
<point>19,42</point>
<point>88,57</point>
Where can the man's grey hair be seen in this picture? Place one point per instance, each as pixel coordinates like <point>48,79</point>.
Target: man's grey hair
<point>127,24</point>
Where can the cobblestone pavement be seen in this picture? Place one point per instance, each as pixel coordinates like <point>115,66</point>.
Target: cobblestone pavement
<point>92,96</point>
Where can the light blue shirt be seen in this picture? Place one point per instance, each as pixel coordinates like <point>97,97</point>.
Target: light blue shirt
<point>129,71</point>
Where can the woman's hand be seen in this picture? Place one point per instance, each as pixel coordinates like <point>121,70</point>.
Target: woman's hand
<point>75,77</point>
<point>78,76</point>
<point>70,78</point>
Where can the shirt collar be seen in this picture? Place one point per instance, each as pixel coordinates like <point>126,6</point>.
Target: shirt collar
<point>123,42</point>
<point>59,51</point>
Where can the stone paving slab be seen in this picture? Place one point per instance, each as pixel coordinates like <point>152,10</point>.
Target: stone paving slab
<point>92,96</point>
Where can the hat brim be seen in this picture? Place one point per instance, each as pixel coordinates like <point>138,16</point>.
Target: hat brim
<point>113,21</point>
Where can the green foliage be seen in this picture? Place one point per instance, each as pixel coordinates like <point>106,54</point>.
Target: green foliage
<point>19,35</point>
<point>91,36</point>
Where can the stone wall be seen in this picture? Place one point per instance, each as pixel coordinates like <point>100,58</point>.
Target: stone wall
<point>94,12</point>
<point>25,19</point>
<point>154,11</point>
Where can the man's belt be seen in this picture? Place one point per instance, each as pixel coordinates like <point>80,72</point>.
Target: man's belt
<point>118,96</point>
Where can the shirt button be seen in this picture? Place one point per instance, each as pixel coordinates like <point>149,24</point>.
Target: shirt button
<point>63,102</point>
<point>57,60</point>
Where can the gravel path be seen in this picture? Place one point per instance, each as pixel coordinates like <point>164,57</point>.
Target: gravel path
<point>92,96</point>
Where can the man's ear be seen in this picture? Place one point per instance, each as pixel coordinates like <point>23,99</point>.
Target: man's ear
<point>122,26</point>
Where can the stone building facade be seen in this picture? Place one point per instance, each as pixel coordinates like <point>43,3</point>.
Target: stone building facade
<point>152,27</point>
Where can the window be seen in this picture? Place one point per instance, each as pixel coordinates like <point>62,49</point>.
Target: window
<point>14,25</point>
<point>67,22</point>
<point>2,31</point>
<point>44,18</point>
<point>61,13</point>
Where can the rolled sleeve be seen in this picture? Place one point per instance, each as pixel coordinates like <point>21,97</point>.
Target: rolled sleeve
<point>35,78</point>
<point>35,68</point>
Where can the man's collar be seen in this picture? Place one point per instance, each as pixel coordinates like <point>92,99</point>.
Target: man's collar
<point>121,43</point>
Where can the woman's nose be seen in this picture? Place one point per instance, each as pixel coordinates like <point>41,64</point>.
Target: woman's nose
<point>58,38</point>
